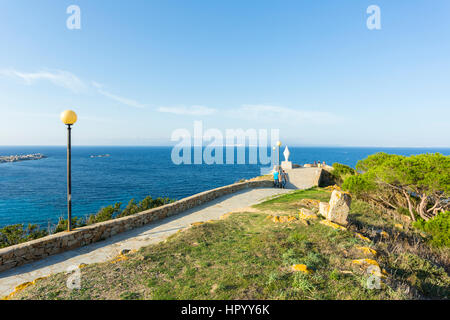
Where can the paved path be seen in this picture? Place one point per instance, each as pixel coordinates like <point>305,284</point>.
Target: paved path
<point>134,239</point>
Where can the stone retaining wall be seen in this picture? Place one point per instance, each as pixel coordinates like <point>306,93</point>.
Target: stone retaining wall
<point>23,253</point>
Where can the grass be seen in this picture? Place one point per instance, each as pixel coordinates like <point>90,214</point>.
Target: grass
<point>247,256</point>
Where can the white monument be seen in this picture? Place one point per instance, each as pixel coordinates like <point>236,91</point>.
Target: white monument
<point>286,164</point>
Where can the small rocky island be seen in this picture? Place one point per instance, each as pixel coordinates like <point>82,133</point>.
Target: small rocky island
<point>17,158</point>
<point>100,156</point>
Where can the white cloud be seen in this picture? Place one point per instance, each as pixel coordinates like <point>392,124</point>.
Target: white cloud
<point>276,114</point>
<point>58,77</point>
<point>66,80</point>
<point>192,110</point>
<point>125,101</point>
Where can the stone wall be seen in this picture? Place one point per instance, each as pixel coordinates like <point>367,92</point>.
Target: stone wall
<point>23,253</point>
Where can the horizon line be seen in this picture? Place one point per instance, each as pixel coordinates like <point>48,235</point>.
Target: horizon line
<point>246,146</point>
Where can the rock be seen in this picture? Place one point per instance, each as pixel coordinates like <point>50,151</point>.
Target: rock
<point>338,208</point>
<point>332,224</point>
<point>304,222</point>
<point>360,236</point>
<point>323,209</point>
<point>367,250</point>
<point>309,203</point>
<point>306,214</point>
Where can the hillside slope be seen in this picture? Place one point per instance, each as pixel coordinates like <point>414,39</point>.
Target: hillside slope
<point>248,255</point>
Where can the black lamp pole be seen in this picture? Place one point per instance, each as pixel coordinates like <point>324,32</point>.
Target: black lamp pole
<point>69,179</point>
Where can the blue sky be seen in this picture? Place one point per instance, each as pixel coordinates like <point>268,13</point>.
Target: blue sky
<point>138,70</point>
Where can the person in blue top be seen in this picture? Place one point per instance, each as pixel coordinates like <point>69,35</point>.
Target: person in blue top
<point>275,178</point>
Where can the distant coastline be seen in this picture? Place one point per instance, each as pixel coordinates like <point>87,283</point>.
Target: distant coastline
<point>17,158</point>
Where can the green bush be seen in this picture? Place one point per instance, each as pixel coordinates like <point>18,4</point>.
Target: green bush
<point>15,234</point>
<point>438,228</point>
<point>62,224</point>
<point>341,172</point>
<point>105,214</point>
<point>358,185</point>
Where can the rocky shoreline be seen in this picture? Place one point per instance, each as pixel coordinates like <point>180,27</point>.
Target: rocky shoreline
<point>17,158</point>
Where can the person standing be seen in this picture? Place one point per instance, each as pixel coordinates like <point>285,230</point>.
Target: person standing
<point>285,179</point>
<point>276,175</point>
<point>280,177</point>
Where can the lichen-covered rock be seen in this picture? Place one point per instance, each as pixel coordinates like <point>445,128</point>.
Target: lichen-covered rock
<point>367,250</point>
<point>333,225</point>
<point>340,203</point>
<point>338,208</point>
<point>306,214</point>
<point>302,268</point>
<point>323,209</point>
<point>360,236</point>
<point>309,203</point>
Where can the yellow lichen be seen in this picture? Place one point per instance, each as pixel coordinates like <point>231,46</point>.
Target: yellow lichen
<point>398,225</point>
<point>302,215</point>
<point>372,266</point>
<point>367,250</point>
<point>301,267</point>
<point>332,224</point>
<point>384,234</point>
<point>282,219</point>
<point>360,236</point>
<point>366,262</point>
<point>120,257</point>
<point>332,188</point>
<point>224,216</point>
<point>309,203</point>
<point>22,287</point>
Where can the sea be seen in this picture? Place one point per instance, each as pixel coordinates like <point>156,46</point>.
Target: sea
<point>35,191</point>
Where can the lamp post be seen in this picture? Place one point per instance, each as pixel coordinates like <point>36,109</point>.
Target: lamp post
<point>69,117</point>
<point>279,145</point>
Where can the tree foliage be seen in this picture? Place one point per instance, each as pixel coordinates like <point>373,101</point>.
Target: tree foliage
<point>341,172</point>
<point>420,183</point>
<point>18,233</point>
<point>438,227</point>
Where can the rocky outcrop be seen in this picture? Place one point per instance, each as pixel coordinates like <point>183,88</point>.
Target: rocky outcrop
<point>338,207</point>
<point>17,158</point>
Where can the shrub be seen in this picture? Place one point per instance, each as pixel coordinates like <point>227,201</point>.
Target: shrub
<point>15,234</point>
<point>341,172</point>
<point>105,214</point>
<point>438,228</point>
<point>62,224</point>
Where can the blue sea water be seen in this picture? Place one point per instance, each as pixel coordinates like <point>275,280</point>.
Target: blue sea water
<point>35,191</point>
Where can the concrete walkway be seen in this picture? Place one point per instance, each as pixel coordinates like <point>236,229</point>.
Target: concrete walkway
<point>134,239</point>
